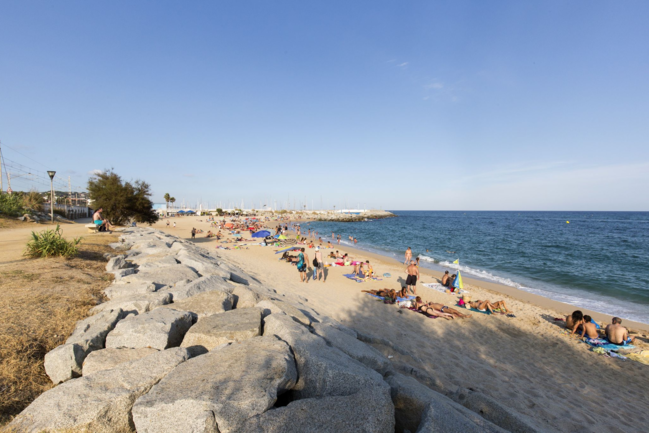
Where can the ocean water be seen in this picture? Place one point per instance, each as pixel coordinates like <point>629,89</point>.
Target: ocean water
<point>598,261</point>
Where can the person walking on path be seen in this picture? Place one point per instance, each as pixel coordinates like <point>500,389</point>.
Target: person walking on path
<point>302,260</point>
<point>411,280</point>
<point>318,265</point>
<point>408,256</point>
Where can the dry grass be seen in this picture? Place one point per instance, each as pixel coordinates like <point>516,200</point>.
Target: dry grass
<point>12,223</point>
<point>40,302</point>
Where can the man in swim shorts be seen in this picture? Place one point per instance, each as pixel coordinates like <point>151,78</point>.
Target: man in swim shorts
<point>618,334</point>
<point>99,222</point>
<point>408,256</point>
<point>446,279</point>
<point>411,280</point>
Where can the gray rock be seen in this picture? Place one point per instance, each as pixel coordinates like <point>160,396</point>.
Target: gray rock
<point>201,285</point>
<point>158,329</point>
<point>101,402</point>
<point>419,408</point>
<point>118,246</point>
<point>493,411</point>
<point>65,361</point>
<point>244,297</point>
<point>339,326</point>
<point>137,304</point>
<point>201,264</point>
<point>105,359</point>
<point>354,348</point>
<point>118,290</point>
<point>218,391</point>
<point>154,260</point>
<point>204,304</point>
<point>323,370</point>
<point>231,326</point>
<point>369,410</point>
<point>276,306</point>
<point>115,264</point>
<point>163,276</point>
<point>121,273</point>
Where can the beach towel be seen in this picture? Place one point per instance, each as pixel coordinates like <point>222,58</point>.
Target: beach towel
<point>360,279</point>
<point>443,289</point>
<point>606,345</point>
<point>487,312</point>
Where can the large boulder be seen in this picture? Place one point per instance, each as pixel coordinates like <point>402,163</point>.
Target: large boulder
<point>369,410</point>
<point>158,329</point>
<point>105,359</point>
<point>153,260</point>
<point>65,362</point>
<point>495,412</point>
<point>204,265</point>
<point>204,304</point>
<point>218,391</point>
<point>353,347</point>
<point>100,402</point>
<point>323,370</point>
<point>163,276</point>
<point>137,303</point>
<point>419,408</point>
<point>276,306</point>
<point>231,326</point>
<point>201,285</point>
<point>118,290</point>
<point>116,263</point>
<point>244,297</point>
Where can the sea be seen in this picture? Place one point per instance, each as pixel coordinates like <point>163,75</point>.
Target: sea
<point>593,260</point>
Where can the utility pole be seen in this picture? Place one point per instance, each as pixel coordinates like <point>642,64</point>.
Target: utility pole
<point>69,197</point>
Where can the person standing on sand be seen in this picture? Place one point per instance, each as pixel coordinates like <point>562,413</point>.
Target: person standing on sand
<point>319,265</point>
<point>193,232</point>
<point>302,260</point>
<point>174,224</point>
<point>408,256</point>
<point>413,274</point>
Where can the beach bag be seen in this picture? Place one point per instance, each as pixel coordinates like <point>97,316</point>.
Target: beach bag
<point>315,262</point>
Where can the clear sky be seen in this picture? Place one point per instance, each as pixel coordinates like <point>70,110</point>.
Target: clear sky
<point>522,105</point>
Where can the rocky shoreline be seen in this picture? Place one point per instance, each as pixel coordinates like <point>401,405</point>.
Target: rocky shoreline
<point>187,342</point>
<point>368,215</point>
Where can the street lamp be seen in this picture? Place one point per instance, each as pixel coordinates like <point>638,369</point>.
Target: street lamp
<point>51,174</point>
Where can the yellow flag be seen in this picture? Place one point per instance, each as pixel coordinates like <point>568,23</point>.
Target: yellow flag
<point>457,262</point>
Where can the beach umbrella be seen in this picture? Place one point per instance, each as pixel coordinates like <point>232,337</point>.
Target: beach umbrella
<point>190,211</point>
<point>287,249</point>
<point>181,211</point>
<point>457,282</point>
<point>261,234</point>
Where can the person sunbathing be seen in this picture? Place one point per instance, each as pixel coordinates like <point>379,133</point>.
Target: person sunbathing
<point>445,309</point>
<point>403,293</point>
<point>589,328</point>
<point>359,269</point>
<point>574,320</point>
<point>422,307</point>
<point>618,334</point>
<point>484,306</point>
<point>379,292</point>
<point>329,244</point>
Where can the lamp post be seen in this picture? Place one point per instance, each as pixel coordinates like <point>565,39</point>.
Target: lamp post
<point>51,174</point>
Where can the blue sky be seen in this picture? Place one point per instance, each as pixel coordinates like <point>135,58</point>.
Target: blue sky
<point>398,105</point>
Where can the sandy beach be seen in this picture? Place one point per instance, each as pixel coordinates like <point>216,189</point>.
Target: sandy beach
<point>527,363</point>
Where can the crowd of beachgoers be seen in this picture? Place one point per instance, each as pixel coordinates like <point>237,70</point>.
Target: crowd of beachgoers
<point>294,242</point>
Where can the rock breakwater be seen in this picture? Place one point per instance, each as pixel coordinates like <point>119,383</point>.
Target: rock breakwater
<point>191,343</point>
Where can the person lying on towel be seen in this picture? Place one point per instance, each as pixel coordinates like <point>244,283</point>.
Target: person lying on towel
<point>485,306</point>
<point>425,308</point>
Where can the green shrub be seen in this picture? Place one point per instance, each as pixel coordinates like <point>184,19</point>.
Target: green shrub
<point>50,243</point>
<point>11,204</point>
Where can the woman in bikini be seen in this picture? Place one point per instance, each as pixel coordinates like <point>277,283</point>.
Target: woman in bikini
<point>426,309</point>
<point>484,306</point>
<point>445,309</point>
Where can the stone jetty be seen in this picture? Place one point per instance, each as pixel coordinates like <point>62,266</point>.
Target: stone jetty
<point>188,342</point>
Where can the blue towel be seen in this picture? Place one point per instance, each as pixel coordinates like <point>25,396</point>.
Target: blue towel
<point>407,298</point>
<point>606,345</point>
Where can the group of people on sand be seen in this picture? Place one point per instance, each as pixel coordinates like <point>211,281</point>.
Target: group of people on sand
<point>583,325</point>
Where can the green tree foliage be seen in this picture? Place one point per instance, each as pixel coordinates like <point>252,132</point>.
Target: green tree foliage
<point>121,201</point>
<point>33,200</point>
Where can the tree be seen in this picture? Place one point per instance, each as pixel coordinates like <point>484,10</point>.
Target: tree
<point>122,201</point>
<point>172,200</point>
<point>167,197</point>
